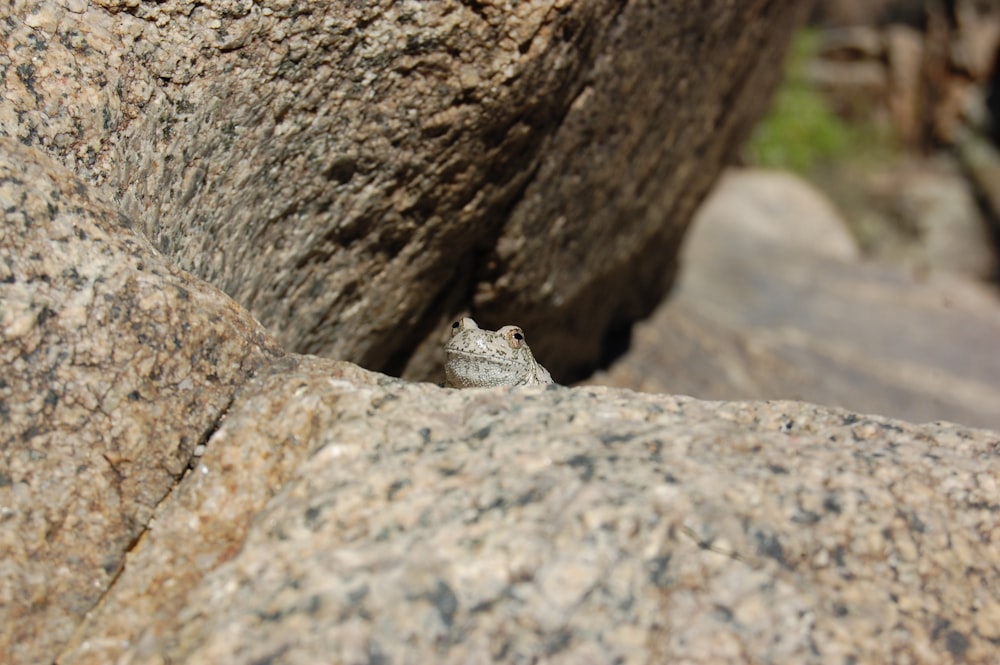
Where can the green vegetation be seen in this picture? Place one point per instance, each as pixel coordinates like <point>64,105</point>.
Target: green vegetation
<point>801,133</point>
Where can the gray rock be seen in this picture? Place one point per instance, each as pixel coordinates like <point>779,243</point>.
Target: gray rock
<point>770,305</point>
<point>369,519</point>
<point>116,365</point>
<point>358,174</point>
<point>751,209</point>
<point>940,225</point>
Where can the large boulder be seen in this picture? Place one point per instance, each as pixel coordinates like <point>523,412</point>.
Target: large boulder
<point>341,516</point>
<point>176,489</point>
<point>357,173</point>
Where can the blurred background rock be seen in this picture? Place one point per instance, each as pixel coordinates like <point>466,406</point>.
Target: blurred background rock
<point>903,97</point>
<point>851,259</point>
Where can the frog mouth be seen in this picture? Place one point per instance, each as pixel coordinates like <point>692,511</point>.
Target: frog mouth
<point>488,358</point>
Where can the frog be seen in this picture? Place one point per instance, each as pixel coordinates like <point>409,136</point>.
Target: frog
<point>479,358</point>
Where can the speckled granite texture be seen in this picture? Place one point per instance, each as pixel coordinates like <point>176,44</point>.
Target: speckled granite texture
<point>356,174</point>
<point>339,516</point>
<point>115,366</point>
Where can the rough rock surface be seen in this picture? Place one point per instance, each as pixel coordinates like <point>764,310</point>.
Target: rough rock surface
<point>115,366</point>
<point>363,518</point>
<point>357,173</point>
<point>771,304</point>
<point>339,515</point>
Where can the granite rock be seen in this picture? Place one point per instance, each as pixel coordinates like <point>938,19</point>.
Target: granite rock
<point>176,488</point>
<point>116,365</point>
<point>341,516</point>
<point>356,174</point>
<point>337,515</point>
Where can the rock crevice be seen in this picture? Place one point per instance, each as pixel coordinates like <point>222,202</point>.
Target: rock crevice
<point>356,174</point>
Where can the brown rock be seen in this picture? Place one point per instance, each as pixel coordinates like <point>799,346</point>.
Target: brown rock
<point>354,173</point>
<point>779,316</point>
<point>868,12</point>
<point>852,89</point>
<point>116,366</point>
<point>939,57</point>
<point>341,168</point>
<point>338,515</point>
<point>599,238</point>
<point>905,50</point>
<point>406,523</point>
<point>281,420</point>
<point>977,38</point>
<point>857,42</point>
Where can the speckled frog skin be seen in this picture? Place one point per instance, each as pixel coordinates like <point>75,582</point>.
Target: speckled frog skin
<point>480,358</point>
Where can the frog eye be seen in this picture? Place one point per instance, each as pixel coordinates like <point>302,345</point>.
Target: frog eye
<point>515,337</point>
<point>464,323</point>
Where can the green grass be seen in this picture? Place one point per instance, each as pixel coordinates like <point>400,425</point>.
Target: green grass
<point>801,133</point>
